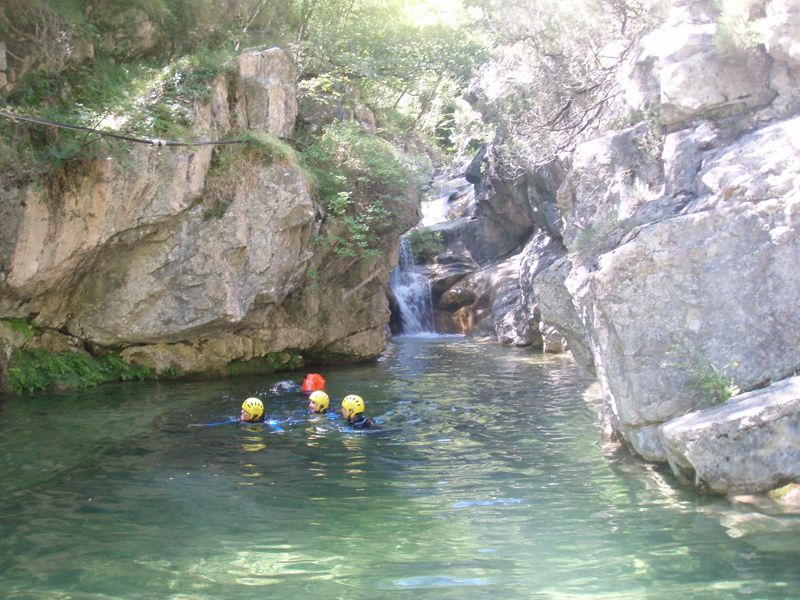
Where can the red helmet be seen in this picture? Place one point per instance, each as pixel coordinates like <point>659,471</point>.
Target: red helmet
<point>313,383</point>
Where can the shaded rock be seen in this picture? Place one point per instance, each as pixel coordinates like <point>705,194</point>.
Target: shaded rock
<point>486,303</point>
<point>554,301</point>
<point>539,253</point>
<point>448,269</point>
<point>456,297</point>
<point>473,173</point>
<point>318,108</point>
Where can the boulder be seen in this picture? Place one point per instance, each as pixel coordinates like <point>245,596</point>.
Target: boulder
<point>751,443</point>
<point>688,54</point>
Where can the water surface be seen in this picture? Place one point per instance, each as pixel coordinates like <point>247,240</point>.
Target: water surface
<point>487,481</point>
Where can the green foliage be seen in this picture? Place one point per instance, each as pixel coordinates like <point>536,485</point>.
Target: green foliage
<point>592,236</point>
<point>737,26</point>
<point>233,165</point>
<point>313,282</point>
<point>18,325</point>
<point>147,102</point>
<point>400,62</point>
<point>363,184</point>
<point>425,244</point>
<point>173,97</point>
<point>41,369</point>
<point>553,74</point>
<point>715,384</point>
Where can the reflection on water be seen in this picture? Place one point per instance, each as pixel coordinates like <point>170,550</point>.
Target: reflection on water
<point>487,481</point>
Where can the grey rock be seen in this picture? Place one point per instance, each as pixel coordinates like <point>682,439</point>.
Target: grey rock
<point>749,444</point>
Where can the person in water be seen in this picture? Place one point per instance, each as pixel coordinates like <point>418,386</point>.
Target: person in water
<point>252,412</point>
<point>312,383</point>
<point>353,411</point>
<point>318,402</point>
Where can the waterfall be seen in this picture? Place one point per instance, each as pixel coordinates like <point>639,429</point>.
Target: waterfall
<point>435,211</point>
<point>412,291</point>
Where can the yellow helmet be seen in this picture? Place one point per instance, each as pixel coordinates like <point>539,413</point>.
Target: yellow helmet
<point>321,399</point>
<point>255,407</point>
<point>353,405</point>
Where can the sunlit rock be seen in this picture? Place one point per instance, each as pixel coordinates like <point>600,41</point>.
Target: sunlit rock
<point>716,285</point>
<point>265,94</point>
<point>688,55</point>
<point>139,256</point>
<point>750,443</point>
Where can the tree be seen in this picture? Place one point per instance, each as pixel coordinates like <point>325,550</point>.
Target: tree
<point>551,82</point>
<point>383,50</point>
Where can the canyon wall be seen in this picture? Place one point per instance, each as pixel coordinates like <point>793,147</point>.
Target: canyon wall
<point>139,256</point>
<point>671,272</point>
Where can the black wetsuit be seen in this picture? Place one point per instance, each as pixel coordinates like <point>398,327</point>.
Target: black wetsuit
<point>361,422</point>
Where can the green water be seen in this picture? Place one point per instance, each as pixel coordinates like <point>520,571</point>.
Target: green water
<point>489,481</point>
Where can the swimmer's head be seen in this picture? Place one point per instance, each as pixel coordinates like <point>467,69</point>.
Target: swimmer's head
<point>352,406</point>
<point>254,409</point>
<point>318,401</point>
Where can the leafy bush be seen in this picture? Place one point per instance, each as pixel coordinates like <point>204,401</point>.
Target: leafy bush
<point>552,81</point>
<point>172,100</point>
<point>140,101</point>
<point>364,184</point>
<point>737,26</point>
<point>425,244</point>
<point>41,369</point>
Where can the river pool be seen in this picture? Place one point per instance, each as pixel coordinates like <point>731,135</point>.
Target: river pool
<point>488,479</point>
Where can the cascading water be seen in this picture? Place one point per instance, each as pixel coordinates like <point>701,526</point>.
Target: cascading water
<point>412,291</point>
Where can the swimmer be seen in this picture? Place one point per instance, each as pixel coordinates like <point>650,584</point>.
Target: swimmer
<point>353,411</point>
<point>312,383</point>
<point>252,412</point>
<point>318,402</point>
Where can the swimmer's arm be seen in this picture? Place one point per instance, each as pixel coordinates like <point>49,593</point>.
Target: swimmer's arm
<point>214,424</point>
<point>274,424</point>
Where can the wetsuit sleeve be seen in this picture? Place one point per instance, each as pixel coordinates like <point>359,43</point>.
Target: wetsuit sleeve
<point>221,423</point>
<point>274,425</point>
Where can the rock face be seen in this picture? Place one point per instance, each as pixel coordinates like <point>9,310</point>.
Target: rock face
<point>131,260</point>
<point>500,234</point>
<point>695,273</point>
<point>670,271</point>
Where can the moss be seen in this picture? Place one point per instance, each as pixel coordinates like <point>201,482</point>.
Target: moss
<point>40,369</point>
<point>278,361</point>
<point>19,326</point>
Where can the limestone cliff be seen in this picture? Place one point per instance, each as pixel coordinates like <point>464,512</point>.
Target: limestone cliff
<point>676,272</point>
<point>137,257</point>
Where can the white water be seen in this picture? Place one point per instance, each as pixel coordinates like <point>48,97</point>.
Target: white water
<point>413,293</point>
<point>435,211</point>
